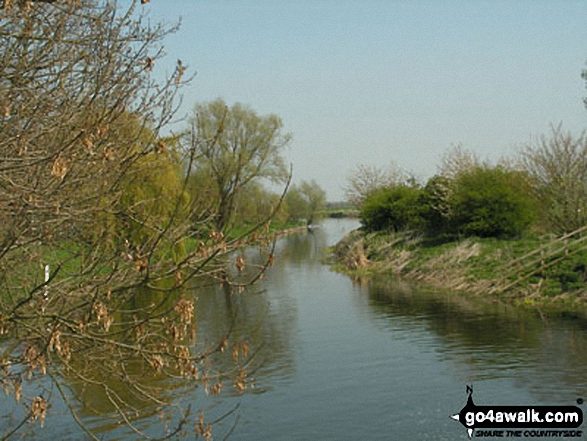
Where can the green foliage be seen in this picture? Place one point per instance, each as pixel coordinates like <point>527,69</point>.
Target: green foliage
<point>296,205</point>
<point>151,191</point>
<point>395,208</point>
<point>480,201</point>
<point>203,194</point>
<point>255,204</point>
<point>567,275</point>
<point>305,201</point>
<point>491,202</point>
<point>236,147</point>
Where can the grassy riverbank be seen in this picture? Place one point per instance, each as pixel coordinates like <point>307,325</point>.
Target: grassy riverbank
<point>68,258</point>
<point>524,271</point>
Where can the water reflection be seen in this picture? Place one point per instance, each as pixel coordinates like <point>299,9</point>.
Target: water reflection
<point>490,340</point>
<point>264,325</point>
<point>376,358</point>
<point>366,359</point>
<point>266,315</point>
<point>305,249</point>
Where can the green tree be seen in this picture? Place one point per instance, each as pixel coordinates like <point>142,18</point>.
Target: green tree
<point>254,204</point>
<point>150,191</point>
<point>236,147</point>
<point>305,201</point>
<point>296,205</point>
<point>203,195</point>
<point>396,208</point>
<point>81,153</point>
<point>492,202</point>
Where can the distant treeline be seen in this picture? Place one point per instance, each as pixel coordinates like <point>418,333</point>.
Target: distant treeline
<point>542,189</point>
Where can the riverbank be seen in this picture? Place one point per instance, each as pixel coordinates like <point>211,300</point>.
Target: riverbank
<point>524,271</point>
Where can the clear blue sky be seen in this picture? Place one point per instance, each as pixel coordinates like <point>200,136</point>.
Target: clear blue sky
<point>375,82</point>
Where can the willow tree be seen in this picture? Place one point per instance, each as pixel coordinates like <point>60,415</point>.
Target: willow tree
<point>76,99</point>
<point>237,147</point>
<point>305,201</point>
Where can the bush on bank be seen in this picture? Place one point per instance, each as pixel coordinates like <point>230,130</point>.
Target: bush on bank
<point>481,202</point>
<point>395,209</point>
<point>491,202</point>
<point>461,232</point>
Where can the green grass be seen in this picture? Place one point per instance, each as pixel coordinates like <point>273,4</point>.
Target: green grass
<point>476,262</point>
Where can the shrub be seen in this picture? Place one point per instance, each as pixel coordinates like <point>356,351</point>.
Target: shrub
<point>492,202</point>
<point>395,208</point>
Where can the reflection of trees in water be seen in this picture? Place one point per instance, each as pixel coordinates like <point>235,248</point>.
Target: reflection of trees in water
<point>105,394</point>
<point>309,249</point>
<point>105,390</point>
<point>264,315</point>
<point>306,249</point>
<point>545,355</point>
<point>262,319</point>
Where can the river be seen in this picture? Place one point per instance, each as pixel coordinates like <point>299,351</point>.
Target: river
<point>384,359</point>
<point>377,359</point>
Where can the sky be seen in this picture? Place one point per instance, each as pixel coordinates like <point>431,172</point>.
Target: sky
<point>377,82</point>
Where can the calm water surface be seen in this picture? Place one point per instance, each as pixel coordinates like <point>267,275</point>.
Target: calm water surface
<point>369,360</point>
<point>381,359</point>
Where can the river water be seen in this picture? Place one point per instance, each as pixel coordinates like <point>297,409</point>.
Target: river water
<point>379,359</point>
<point>383,359</point>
